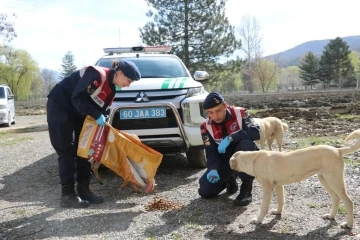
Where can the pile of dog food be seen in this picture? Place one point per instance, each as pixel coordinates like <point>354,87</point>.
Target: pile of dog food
<point>162,204</point>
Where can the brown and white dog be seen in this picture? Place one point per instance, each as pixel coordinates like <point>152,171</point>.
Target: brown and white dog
<point>271,128</point>
<point>273,170</point>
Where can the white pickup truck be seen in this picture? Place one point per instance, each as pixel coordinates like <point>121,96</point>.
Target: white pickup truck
<point>164,108</point>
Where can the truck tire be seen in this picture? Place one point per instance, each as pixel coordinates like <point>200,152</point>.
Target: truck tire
<point>196,157</point>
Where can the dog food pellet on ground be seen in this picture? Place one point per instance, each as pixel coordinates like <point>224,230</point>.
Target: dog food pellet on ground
<point>161,204</point>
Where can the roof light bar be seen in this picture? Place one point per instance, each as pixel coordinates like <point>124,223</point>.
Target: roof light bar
<point>147,49</point>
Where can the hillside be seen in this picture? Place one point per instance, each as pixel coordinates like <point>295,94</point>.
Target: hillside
<point>293,56</point>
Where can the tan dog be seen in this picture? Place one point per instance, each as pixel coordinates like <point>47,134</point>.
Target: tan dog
<point>271,128</point>
<point>273,170</point>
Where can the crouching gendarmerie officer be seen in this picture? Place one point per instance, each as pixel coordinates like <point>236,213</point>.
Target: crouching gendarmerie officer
<point>226,130</point>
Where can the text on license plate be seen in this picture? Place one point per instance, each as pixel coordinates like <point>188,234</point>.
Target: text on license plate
<point>137,113</point>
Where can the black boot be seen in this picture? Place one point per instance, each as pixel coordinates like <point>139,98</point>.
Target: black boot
<point>69,199</point>
<point>85,193</point>
<point>245,197</point>
<point>231,186</point>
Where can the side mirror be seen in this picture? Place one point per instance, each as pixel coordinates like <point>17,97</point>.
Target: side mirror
<point>10,97</point>
<point>201,76</point>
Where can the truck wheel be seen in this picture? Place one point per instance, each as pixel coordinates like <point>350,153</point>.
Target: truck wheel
<point>196,157</point>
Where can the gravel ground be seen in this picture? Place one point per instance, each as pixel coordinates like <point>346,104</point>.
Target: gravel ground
<point>30,194</point>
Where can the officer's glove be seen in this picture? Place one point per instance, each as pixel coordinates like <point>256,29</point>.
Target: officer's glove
<point>213,176</point>
<point>223,145</point>
<point>101,120</point>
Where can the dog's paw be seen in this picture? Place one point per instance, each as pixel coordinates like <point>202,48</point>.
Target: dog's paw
<point>328,216</point>
<point>344,225</point>
<point>233,163</point>
<point>276,212</point>
<point>255,222</point>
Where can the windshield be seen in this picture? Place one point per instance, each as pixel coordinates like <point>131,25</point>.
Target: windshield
<point>2,92</point>
<point>153,67</point>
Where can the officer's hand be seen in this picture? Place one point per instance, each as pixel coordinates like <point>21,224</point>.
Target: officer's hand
<point>223,145</point>
<point>101,120</point>
<point>213,176</point>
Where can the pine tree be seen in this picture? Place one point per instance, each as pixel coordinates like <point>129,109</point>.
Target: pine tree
<point>68,66</point>
<point>309,69</point>
<point>197,30</point>
<point>335,63</point>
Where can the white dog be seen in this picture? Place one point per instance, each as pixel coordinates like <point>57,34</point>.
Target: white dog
<point>271,128</point>
<point>274,169</point>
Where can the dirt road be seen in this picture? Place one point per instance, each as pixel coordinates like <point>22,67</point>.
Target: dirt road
<point>30,194</point>
<point>23,122</point>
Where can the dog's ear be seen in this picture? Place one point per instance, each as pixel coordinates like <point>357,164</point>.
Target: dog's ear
<point>244,161</point>
<point>234,160</point>
<point>236,154</point>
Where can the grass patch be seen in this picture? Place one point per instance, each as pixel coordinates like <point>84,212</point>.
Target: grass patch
<point>176,236</point>
<point>194,226</point>
<point>311,205</point>
<point>351,162</point>
<point>13,141</point>
<point>3,134</point>
<point>341,210</point>
<point>253,111</point>
<point>19,212</point>
<point>150,232</point>
<point>196,216</point>
<point>314,140</point>
<point>347,116</point>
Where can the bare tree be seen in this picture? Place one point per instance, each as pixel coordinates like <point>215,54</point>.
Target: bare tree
<point>250,35</point>
<point>49,79</point>
<point>7,30</point>
<point>249,31</point>
<point>266,72</point>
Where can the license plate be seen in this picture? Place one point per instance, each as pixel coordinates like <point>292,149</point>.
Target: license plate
<point>138,113</point>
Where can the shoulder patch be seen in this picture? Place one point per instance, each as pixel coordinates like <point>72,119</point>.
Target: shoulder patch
<point>206,140</point>
<point>93,86</point>
<point>90,89</point>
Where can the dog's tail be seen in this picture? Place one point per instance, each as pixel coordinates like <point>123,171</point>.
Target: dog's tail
<point>285,126</point>
<point>354,135</point>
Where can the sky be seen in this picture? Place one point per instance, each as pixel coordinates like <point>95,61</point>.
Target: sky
<point>48,29</point>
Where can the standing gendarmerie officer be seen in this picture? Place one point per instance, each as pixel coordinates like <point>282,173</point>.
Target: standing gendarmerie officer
<point>226,130</point>
<point>88,91</point>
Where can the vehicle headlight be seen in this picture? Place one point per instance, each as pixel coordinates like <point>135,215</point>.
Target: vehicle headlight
<point>190,109</point>
<point>187,116</point>
<point>2,107</point>
<point>195,91</point>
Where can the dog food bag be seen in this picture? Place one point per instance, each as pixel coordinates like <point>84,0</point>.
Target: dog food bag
<point>119,151</point>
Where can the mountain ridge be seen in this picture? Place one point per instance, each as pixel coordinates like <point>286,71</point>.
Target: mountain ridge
<point>292,56</point>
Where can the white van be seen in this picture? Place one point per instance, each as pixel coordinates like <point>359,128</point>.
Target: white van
<point>7,106</point>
